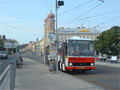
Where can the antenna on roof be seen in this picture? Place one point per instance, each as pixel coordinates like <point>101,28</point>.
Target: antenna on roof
<point>88,23</point>
<point>50,9</point>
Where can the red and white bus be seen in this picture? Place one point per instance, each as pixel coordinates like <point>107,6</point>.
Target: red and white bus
<point>76,54</point>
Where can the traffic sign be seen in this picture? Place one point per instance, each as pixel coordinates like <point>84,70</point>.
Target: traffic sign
<point>51,36</point>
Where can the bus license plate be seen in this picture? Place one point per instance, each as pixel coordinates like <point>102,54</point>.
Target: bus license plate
<point>81,67</point>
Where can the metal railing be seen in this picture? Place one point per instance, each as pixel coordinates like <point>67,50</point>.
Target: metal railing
<point>9,72</point>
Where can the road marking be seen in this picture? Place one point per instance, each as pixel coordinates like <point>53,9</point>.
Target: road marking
<point>5,71</point>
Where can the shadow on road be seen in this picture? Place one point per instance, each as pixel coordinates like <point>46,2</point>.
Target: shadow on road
<point>100,70</point>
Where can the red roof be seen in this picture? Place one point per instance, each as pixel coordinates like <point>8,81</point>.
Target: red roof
<point>50,15</point>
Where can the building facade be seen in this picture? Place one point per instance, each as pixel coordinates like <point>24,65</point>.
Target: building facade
<point>42,46</point>
<point>29,47</point>
<point>90,33</point>
<point>37,48</point>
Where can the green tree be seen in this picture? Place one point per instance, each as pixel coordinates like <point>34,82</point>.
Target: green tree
<point>109,41</point>
<point>1,44</point>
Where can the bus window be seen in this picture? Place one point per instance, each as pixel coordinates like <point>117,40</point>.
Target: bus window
<point>80,48</point>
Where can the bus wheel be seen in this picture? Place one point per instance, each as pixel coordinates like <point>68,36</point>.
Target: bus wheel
<point>59,65</point>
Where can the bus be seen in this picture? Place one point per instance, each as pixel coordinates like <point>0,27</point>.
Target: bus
<point>76,54</point>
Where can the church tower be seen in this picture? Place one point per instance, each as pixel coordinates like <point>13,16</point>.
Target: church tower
<point>49,27</point>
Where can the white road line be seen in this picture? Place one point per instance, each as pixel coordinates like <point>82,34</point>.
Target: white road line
<point>5,71</point>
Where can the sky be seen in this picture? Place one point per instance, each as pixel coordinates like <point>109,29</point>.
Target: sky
<point>23,20</point>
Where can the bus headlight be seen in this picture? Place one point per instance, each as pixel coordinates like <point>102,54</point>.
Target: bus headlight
<point>70,64</point>
<point>92,64</point>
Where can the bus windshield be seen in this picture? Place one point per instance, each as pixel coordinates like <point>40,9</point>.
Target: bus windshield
<point>80,48</point>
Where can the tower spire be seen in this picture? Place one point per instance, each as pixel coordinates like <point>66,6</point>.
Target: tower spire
<point>50,9</point>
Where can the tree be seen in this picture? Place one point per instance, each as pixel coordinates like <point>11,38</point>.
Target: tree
<point>1,44</point>
<point>109,41</point>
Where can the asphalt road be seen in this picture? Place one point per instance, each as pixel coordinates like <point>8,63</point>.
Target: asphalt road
<point>4,63</point>
<point>103,76</point>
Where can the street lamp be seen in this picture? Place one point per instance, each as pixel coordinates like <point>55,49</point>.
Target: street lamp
<point>58,4</point>
<point>12,46</point>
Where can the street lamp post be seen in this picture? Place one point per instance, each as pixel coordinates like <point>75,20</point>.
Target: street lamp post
<point>58,3</point>
<point>56,40</point>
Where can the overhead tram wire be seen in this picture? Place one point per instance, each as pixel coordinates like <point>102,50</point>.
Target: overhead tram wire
<point>84,13</point>
<point>108,21</point>
<point>7,2</point>
<point>14,27</point>
<point>34,30</point>
<point>117,11</point>
<point>75,7</point>
<point>6,25</point>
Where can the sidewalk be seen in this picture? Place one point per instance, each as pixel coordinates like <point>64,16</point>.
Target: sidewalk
<point>35,76</point>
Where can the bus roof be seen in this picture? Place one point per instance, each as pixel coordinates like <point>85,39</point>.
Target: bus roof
<point>78,38</point>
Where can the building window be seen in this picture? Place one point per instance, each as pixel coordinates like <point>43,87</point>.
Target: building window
<point>86,36</point>
<point>64,37</point>
<point>83,36</point>
<point>93,36</point>
<point>51,25</point>
<point>90,37</point>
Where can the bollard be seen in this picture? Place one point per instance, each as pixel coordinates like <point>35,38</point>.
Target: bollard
<point>12,74</point>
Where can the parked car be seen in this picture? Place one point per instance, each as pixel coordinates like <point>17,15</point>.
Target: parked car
<point>97,58</point>
<point>103,58</point>
<point>3,55</point>
<point>114,59</point>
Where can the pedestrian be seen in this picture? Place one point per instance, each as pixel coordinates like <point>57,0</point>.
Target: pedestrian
<point>21,59</point>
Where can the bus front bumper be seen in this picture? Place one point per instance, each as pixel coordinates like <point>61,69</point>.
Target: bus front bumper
<point>80,67</point>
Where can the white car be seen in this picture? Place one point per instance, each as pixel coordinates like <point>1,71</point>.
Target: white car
<point>103,58</point>
<point>3,55</point>
<point>114,59</point>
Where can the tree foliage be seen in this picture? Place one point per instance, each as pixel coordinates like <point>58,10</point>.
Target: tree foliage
<point>1,44</point>
<point>109,41</point>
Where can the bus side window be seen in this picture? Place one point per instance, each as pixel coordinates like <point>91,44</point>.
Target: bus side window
<point>64,52</point>
<point>65,49</point>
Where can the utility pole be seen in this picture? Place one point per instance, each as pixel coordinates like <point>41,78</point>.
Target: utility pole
<point>57,71</point>
<point>58,3</point>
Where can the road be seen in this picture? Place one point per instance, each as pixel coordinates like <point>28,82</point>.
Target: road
<point>4,63</point>
<point>106,77</point>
